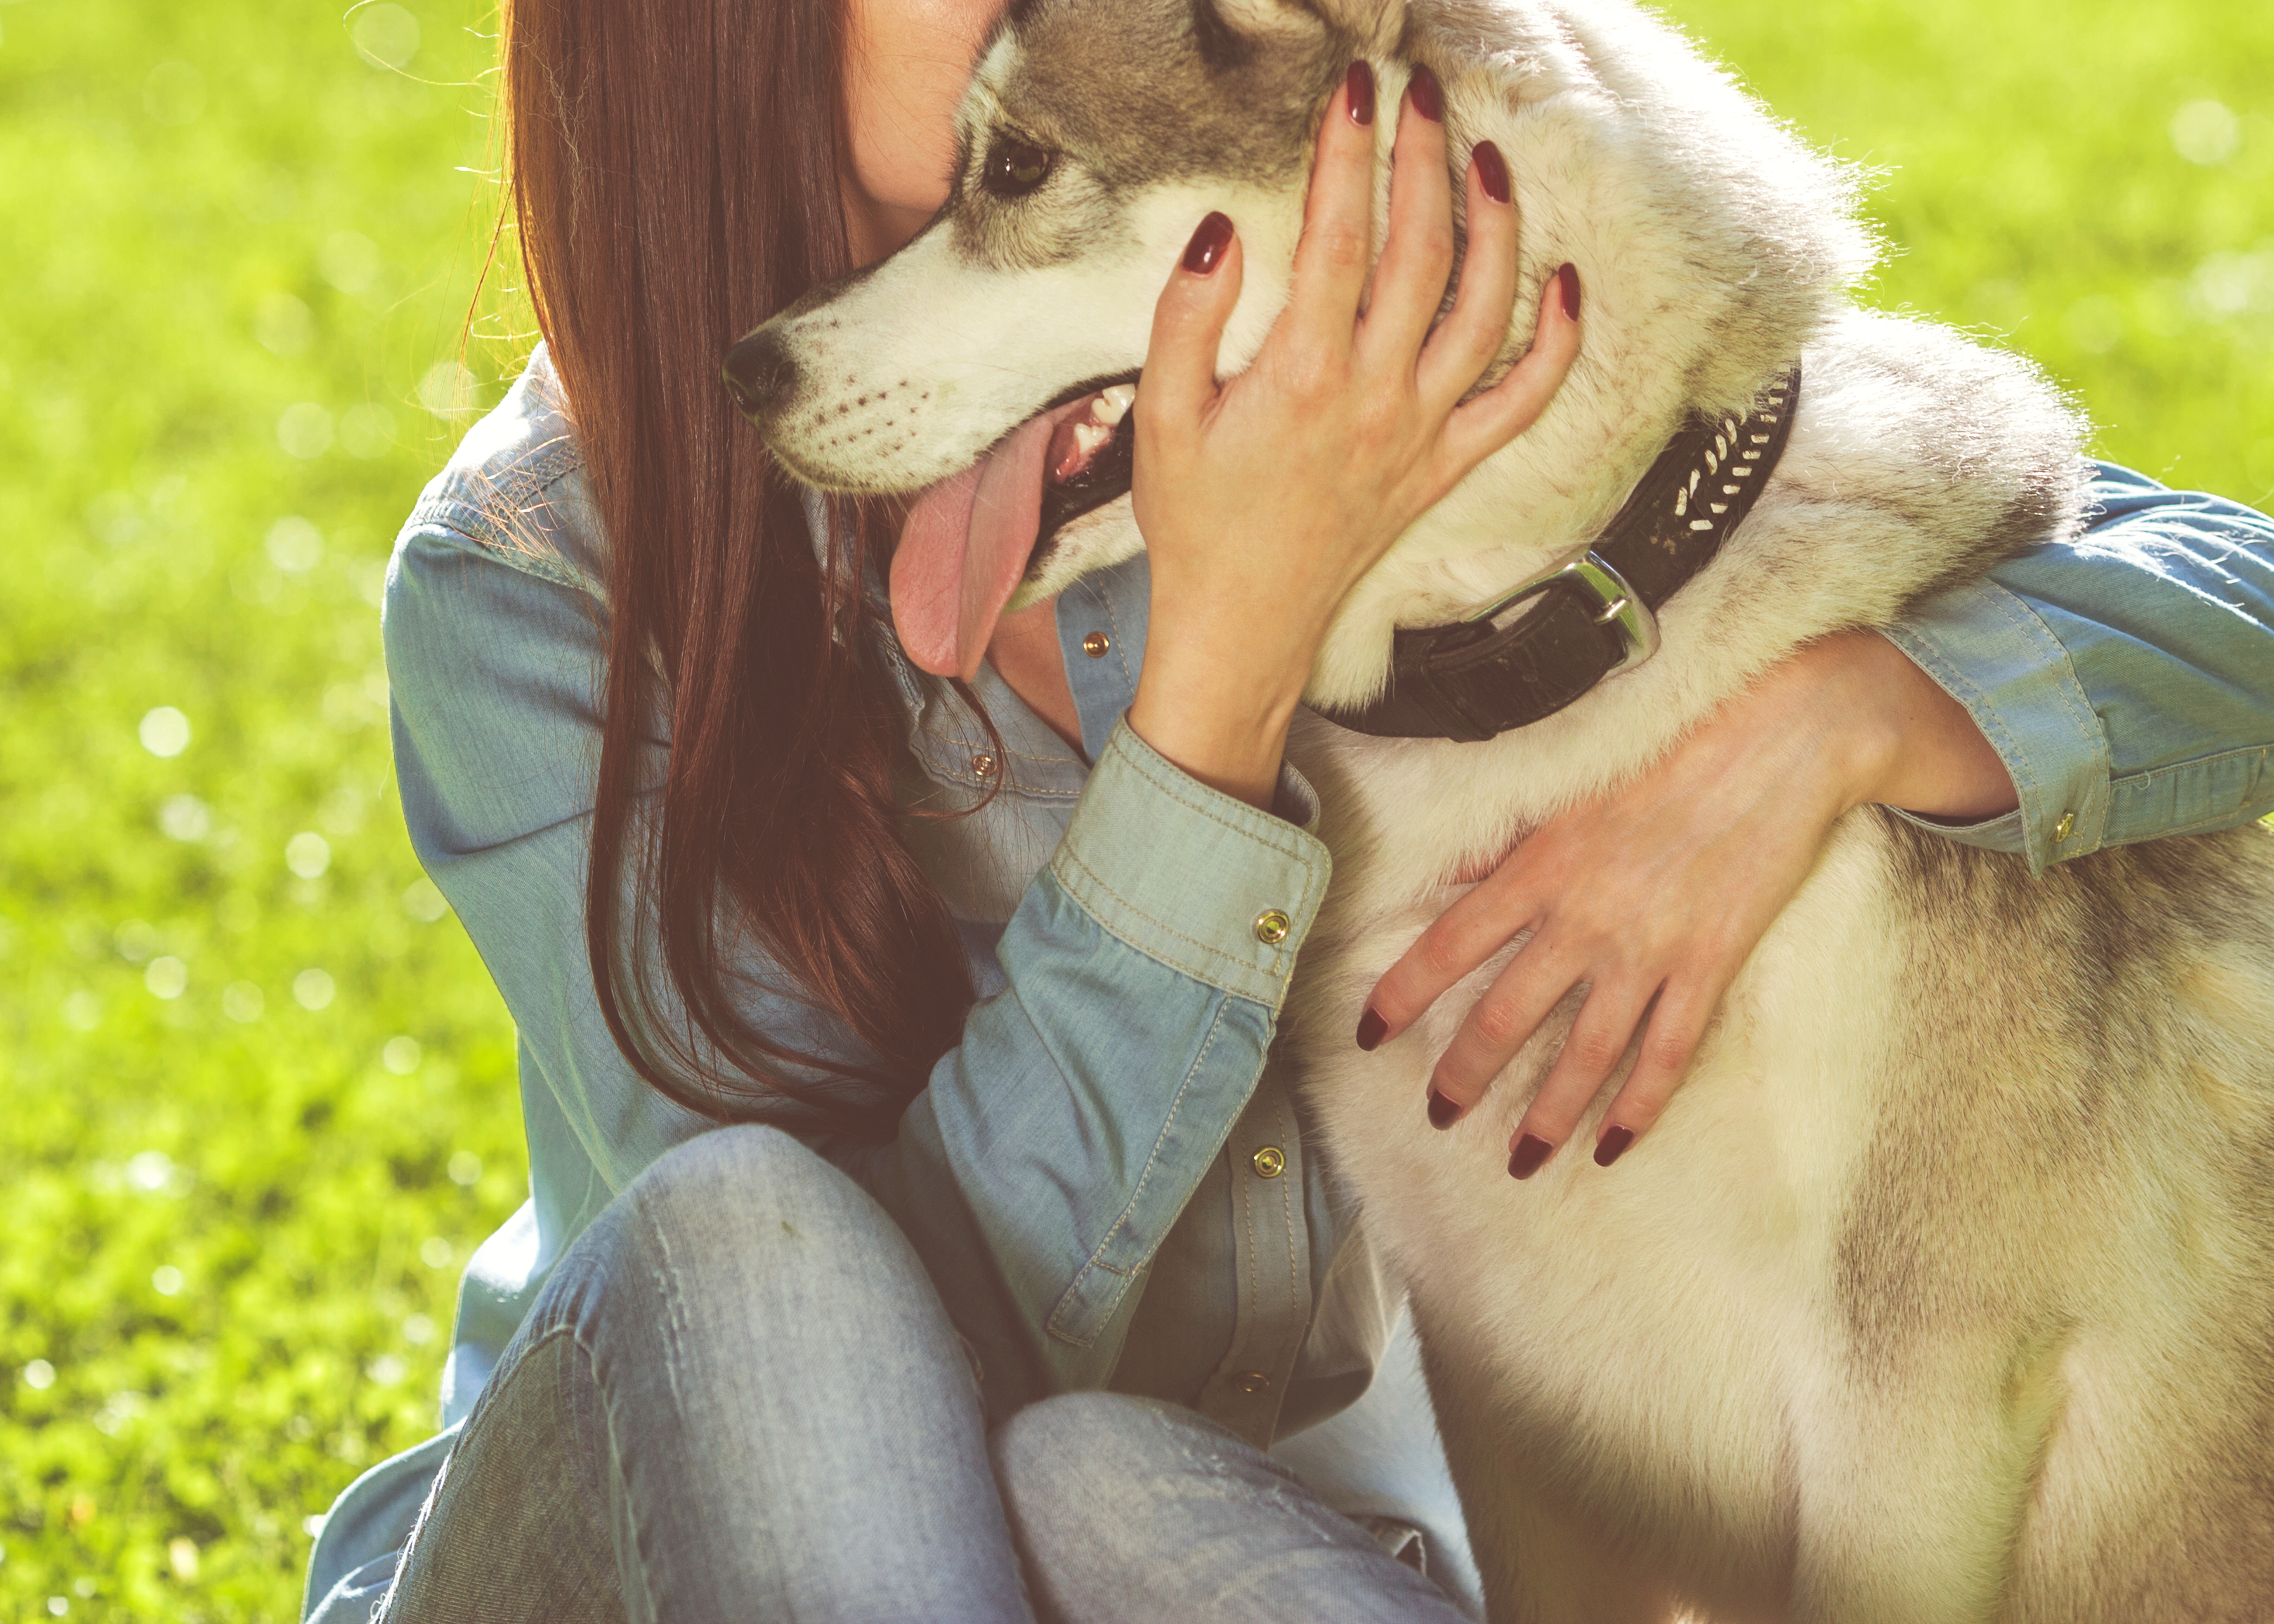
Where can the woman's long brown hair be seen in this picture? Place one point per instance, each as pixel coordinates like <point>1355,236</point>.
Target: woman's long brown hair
<point>673,167</point>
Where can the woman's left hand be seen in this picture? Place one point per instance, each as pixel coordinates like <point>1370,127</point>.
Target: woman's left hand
<point>1654,897</point>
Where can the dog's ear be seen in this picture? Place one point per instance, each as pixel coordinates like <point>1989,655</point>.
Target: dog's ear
<point>1229,29</point>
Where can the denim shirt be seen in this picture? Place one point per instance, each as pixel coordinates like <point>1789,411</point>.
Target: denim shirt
<point>1108,1178</point>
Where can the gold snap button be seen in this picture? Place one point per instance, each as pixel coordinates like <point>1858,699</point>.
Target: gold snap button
<point>983,766</point>
<point>1272,926</point>
<point>1096,645</point>
<point>1270,1162</point>
<point>1251,1381</point>
<point>2062,828</point>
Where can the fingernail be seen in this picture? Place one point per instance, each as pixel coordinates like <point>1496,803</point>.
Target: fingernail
<point>1371,1030</point>
<point>1205,250</point>
<point>1531,1152</point>
<point>1358,87</point>
<point>1443,1112</point>
<point>1491,171</point>
<point>1567,283</point>
<point>1613,1144</point>
<point>1427,99</point>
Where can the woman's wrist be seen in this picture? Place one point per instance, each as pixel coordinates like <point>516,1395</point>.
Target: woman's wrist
<point>1909,744</point>
<point>1220,721</point>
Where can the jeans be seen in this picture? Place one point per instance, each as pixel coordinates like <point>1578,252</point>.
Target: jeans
<point>740,1398</point>
<point>1134,1511</point>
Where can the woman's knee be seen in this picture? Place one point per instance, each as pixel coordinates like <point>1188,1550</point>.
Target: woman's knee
<point>1130,1509</point>
<point>729,1162</point>
<point>733,1219</point>
<point>1082,1450</point>
<point>751,1190</point>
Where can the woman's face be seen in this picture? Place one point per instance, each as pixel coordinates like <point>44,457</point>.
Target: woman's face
<point>905,63</point>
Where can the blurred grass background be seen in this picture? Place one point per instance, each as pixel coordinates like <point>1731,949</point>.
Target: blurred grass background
<point>256,1093</point>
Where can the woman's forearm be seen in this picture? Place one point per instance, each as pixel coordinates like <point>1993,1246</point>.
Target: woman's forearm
<point>2126,675</point>
<point>1915,746</point>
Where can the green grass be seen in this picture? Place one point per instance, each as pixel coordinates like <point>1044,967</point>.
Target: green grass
<point>232,1235</point>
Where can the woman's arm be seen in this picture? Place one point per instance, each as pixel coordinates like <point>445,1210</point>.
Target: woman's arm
<point>2117,688</point>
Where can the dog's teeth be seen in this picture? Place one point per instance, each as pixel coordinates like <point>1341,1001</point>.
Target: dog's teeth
<point>1114,403</point>
<point>1087,437</point>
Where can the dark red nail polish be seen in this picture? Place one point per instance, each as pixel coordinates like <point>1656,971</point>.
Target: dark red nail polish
<point>1443,1112</point>
<point>1567,283</point>
<point>1491,171</point>
<point>1371,1030</point>
<point>1531,1153</point>
<point>1205,250</point>
<point>1358,86</point>
<point>1428,99</point>
<point>1613,1144</point>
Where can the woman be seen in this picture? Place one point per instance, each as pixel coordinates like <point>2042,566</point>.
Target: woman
<point>996,1144</point>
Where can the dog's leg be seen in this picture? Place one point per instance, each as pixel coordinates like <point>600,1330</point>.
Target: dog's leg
<point>1916,1483</point>
<point>1539,1566</point>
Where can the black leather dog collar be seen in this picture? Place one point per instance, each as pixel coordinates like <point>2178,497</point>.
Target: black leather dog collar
<point>1476,679</point>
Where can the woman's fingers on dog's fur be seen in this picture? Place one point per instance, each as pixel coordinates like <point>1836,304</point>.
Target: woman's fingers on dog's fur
<point>1417,256</point>
<point>1475,330</point>
<point>1481,426</point>
<point>1480,923</point>
<point>1503,1021</point>
<point>1599,1040</point>
<point>1189,322</point>
<point>1677,1026</point>
<point>1335,252</point>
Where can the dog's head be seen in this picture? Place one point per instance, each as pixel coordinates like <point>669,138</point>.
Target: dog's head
<point>988,365</point>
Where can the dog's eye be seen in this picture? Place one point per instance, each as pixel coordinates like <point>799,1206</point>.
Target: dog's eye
<point>1013,168</point>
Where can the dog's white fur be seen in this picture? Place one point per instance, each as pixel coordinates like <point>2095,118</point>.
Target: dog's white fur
<point>1941,1291</point>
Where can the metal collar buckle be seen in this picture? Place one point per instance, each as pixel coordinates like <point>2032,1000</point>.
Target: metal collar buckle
<point>1614,603</point>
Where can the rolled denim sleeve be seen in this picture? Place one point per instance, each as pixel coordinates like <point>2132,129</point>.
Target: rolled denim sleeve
<point>1051,1151</point>
<point>2126,678</point>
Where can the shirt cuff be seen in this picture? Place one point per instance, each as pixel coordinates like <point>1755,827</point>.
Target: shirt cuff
<point>1210,886</point>
<point>1990,651</point>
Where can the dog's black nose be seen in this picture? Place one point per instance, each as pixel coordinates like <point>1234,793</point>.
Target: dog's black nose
<point>761,372</point>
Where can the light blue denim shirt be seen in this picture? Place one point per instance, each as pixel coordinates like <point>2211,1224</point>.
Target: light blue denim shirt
<point>1107,1178</point>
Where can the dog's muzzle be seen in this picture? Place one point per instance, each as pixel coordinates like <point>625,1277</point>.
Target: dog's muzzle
<point>761,373</point>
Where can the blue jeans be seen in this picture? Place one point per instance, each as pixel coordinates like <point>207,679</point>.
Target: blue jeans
<point>740,1398</point>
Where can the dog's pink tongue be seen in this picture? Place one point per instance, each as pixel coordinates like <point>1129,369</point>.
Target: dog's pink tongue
<point>962,550</point>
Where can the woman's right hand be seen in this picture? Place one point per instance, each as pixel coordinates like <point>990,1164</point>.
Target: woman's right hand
<point>1263,501</point>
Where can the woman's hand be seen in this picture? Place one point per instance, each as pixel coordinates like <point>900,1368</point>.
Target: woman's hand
<point>1654,897</point>
<point>1263,501</point>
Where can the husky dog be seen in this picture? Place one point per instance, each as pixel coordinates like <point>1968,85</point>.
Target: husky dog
<point>1944,1290</point>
